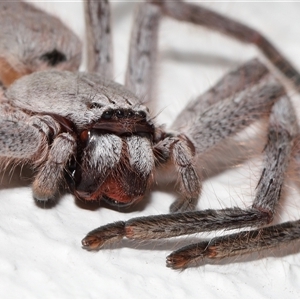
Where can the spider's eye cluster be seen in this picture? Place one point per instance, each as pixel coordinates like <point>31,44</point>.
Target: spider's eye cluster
<point>123,113</point>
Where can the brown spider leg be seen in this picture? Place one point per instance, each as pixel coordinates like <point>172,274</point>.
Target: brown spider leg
<point>234,245</point>
<point>98,31</point>
<point>253,104</point>
<point>205,17</point>
<point>143,49</point>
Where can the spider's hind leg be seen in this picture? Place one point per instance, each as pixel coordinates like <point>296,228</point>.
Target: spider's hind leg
<point>244,242</point>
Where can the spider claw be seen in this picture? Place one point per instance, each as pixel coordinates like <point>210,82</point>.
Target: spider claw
<point>92,243</point>
<point>103,235</point>
<point>191,255</point>
<point>175,261</point>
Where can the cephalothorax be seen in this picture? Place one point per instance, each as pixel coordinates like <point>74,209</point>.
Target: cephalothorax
<point>96,127</point>
<point>97,138</point>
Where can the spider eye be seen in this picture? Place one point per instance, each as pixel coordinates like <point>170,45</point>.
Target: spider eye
<point>107,114</point>
<point>54,57</point>
<point>120,113</point>
<point>141,114</point>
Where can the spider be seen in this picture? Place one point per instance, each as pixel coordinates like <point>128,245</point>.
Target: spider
<point>83,132</point>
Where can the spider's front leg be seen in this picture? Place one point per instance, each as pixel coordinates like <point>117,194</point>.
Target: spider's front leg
<point>26,140</point>
<point>218,122</point>
<point>208,120</point>
<point>283,130</point>
<point>179,150</point>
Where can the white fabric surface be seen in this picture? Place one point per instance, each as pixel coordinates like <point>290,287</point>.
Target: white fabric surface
<point>40,249</point>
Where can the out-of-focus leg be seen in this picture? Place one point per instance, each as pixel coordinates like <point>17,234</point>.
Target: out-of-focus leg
<point>98,27</point>
<point>202,16</point>
<point>140,74</point>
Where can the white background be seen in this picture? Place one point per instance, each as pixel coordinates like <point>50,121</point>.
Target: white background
<point>40,249</point>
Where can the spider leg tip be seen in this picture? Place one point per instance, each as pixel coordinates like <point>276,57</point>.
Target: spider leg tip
<point>91,242</point>
<point>175,261</point>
